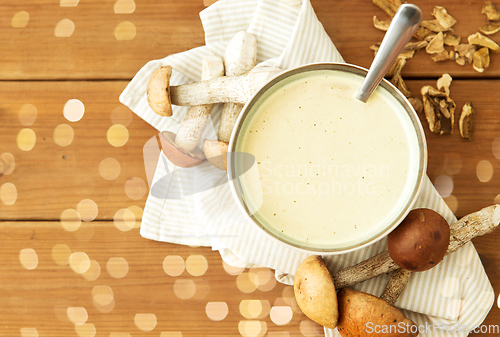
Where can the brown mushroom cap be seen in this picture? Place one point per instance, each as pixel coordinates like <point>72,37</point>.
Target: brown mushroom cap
<point>421,240</point>
<point>177,155</point>
<point>159,91</point>
<point>216,153</point>
<point>315,292</point>
<point>362,314</point>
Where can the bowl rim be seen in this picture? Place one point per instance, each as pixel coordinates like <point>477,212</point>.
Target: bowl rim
<point>419,130</point>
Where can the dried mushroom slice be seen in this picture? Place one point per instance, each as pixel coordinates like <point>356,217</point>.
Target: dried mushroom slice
<point>416,103</point>
<point>444,19</point>
<point>466,50</point>
<point>490,28</point>
<point>479,39</point>
<point>442,56</point>
<point>415,45</point>
<point>379,24</point>
<point>439,110</point>
<point>444,83</point>
<point>466,121</point>
<point>433,26</point>
<point>452,40</point>
<point>460,61</point>
<point>481,60</point>
<point>397,79</point>
<point>388,6</point>
<point>436,45</point>
<point>422,33</point>
<point>491,11</point>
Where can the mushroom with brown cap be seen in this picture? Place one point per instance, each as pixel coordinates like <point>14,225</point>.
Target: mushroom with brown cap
<point>315,292</point>
<point>181,149</point>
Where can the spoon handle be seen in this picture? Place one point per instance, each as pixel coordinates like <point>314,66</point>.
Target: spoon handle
<point>402,27</point>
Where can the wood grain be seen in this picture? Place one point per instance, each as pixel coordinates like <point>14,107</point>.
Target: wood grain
<point>163,28</point>
<point>93,66</point>
<point>51,178</point>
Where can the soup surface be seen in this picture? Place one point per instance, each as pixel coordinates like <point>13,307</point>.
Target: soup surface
<point>332,171</point>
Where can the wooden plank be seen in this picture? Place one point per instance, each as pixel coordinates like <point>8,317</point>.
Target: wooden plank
<point>39,297</point>
<point>51,178</point>
<point>162,28</point>
<point>37,293</point>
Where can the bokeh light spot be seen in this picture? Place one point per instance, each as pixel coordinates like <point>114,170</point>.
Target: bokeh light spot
<point>117,267</point>
<point>73,110</point>
<point>246,282</point>
<point>28,332</point>
<point>8,194</point>
<point>26,139</point>
<point>63,135</point>
<point>495,147</point>
<point>252,309</point>
<point>60,254</point>
<point>68,3</point>
<point>20,19</point>
<point>137,211</point>
<point>70,220</point>
<point>184,289</point>
<point>231,270</point>
<point>79,262</point>
<point>124,220</point>
<point>7,163</point>
<point>173,265</point>
<point>87,209</point>
<point>125,31</point>
<point>145,322</point>
<point>64,28</point>
<point>124,6</point>
<point>109,168</point>
<point>102,295</point>
<point>135,188</point>
<point>281,315</point>
<point>77,315</point>
<point>85,330</point>
<point>196,265</point>
<point>216,311</point>
<point>93,272</point>
<point>171,334</point>
<point>444,185</point>
<point>452,202</point>
<point>484,171</point>
<point>311,329</point>
<point>252,328</point>
<point>117,135</point>
<point>28,258</point>
<point>27,114</point>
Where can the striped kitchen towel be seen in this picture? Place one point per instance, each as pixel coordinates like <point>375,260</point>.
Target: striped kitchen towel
<point>194,207</point>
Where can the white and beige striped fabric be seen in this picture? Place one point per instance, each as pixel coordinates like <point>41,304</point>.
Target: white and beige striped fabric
<point>193,206</point>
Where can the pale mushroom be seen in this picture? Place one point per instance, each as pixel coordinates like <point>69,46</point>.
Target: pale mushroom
<point>158,91</point>
<point>239,58</point>
<point>181,149</point>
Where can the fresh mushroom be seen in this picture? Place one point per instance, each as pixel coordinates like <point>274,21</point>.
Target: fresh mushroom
<point>461,232</point>
<point>237,89</point>
<point>181,149</point>
<point>362,314</point>
<point>420,241</point>
<point>196,117</point>
<point>239,58</point>
<point>315,292</point>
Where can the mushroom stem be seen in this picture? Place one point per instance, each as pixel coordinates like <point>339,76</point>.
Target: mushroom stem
<point>395,285</point>
<point>238,89</point>
<point>240,57</point>
<point>461,232</point>
<point>196,117</point>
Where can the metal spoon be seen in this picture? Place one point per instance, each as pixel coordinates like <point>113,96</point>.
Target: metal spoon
<point>404,24</point>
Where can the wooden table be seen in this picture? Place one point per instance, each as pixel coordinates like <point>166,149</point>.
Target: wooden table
<point>73,188</point>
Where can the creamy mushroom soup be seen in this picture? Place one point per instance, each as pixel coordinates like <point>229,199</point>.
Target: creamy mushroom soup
<point>332,171</point>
